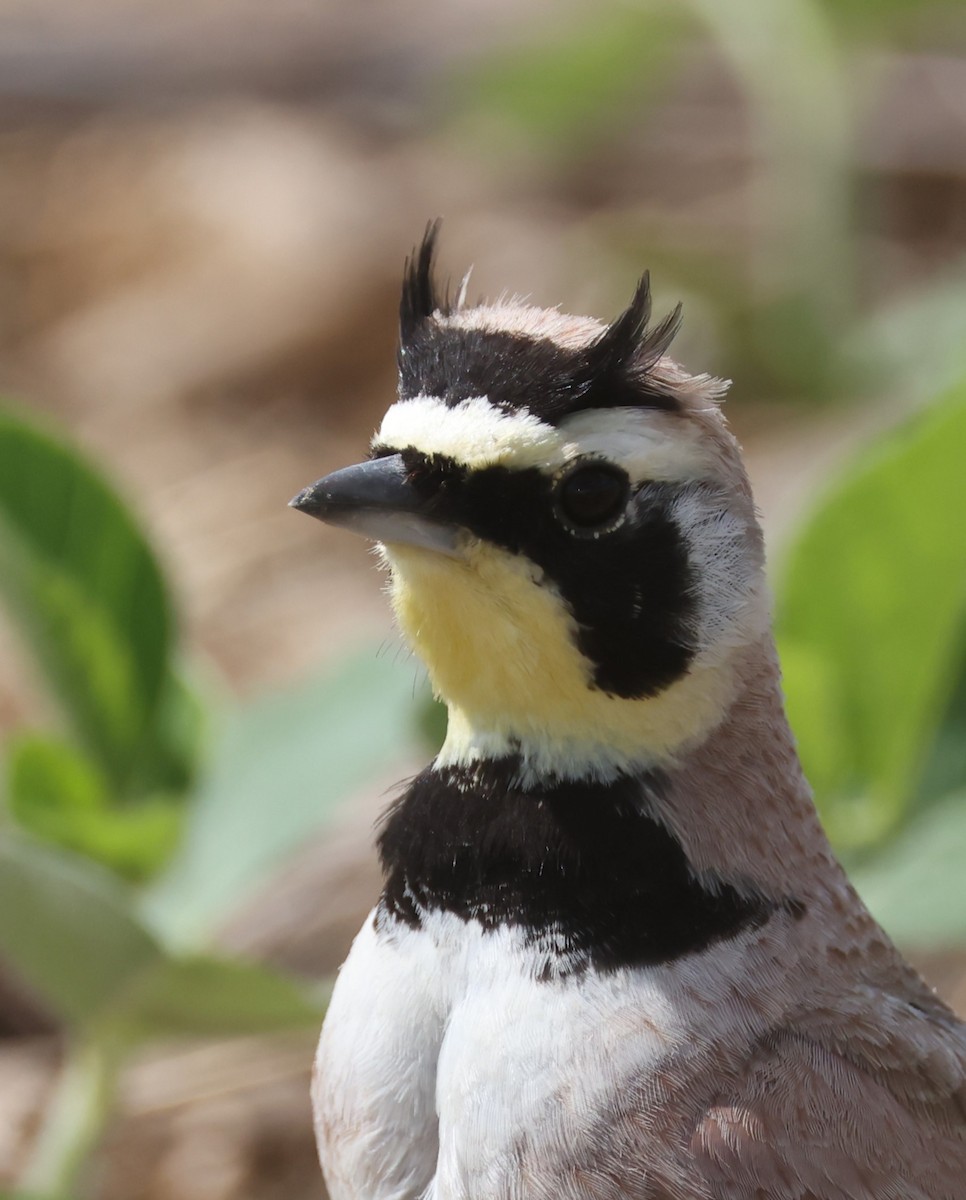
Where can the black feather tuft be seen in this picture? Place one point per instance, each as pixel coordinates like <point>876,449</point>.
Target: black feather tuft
<point>618,362</point>
<point>420,298</point>
<point>620,343</point>
<point>520,372</point>
<point>658,340</point>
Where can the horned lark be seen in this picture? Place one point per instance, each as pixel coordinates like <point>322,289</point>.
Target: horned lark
<point>614,955</point>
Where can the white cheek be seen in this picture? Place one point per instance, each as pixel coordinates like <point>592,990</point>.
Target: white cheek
<point>725,554</point>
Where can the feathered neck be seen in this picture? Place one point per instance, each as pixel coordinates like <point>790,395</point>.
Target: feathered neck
<point>738,800</point>
<point>641,869</point>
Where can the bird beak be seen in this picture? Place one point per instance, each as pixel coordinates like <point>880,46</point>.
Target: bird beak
<point>377,500</point>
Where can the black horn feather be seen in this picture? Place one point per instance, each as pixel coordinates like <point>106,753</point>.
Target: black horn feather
<point>420,298</point>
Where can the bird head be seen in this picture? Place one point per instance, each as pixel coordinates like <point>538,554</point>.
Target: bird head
<point>568,527</point>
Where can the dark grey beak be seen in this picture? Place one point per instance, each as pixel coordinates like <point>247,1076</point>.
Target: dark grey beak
<point>376,499</point>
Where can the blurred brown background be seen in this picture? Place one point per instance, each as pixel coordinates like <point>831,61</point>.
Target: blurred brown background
<point>204,209</point>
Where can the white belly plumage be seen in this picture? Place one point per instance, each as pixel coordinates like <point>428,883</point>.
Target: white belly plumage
<point>448,1069</point>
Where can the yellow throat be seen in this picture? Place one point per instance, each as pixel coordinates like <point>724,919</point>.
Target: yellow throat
<point>500,646</point>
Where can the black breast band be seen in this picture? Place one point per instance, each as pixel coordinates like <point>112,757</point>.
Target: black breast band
<point>580,867</point>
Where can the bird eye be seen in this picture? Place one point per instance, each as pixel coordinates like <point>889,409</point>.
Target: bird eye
<point>591,497</point>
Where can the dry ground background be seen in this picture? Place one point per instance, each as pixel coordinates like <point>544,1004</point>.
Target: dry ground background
<point>203,213</point>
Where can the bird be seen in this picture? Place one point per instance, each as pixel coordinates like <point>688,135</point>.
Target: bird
<point>614,956</point>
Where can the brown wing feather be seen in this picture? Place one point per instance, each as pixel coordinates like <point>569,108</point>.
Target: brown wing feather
<point>804,1123</point>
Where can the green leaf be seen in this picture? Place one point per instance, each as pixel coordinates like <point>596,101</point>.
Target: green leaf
<point>47,777</point>
<point>884,20</point>
<point>57,794</point>
<point>431,721</point>
<point>279,770</point>
<point>868,609</point>
<point>916,887</point>
<point>86,592</point>
<point>66,928</point>
<point>945,767</point>
<point>34,1196</point>
<point>31,1196</point>
<point>170,758</point>
<point>73,1119</point>
<point>201,996</point>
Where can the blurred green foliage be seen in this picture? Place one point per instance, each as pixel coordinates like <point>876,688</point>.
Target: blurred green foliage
<point>275,773</point>
<point>871,608</point>
<point>91,605</point>
<point>871,626</point>
<point>57,792</point>
<point>141,785</point>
